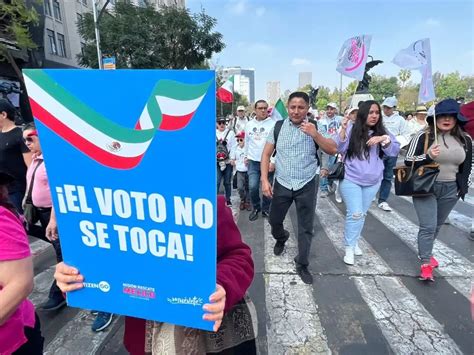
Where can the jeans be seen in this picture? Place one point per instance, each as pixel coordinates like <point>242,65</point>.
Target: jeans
<point>432,211</point>
<point>324,182</point>
<point>40,232</point>
<point>305,202</point>
<point>243,186</point>
<point>254,187</point>
<point>389,163</point>
<point>225,175</point>
<point>357,199</point>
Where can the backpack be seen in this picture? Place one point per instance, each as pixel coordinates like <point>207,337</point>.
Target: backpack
<point>222,152</point>
<point>276,133</point>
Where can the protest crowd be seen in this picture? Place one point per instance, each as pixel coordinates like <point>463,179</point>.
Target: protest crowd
<point>271,163</point>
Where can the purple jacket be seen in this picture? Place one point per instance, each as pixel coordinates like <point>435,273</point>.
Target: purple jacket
<point>365,172</point>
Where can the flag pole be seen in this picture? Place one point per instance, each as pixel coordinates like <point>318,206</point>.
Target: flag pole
<point>340,92</point>
<point>435,128</point>
<point>353,94</point>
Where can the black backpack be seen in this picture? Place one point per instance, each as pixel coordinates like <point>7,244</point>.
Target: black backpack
<point>276,133</point>
<point>222,152</point>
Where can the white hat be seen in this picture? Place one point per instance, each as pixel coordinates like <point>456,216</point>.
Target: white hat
<point>390,101</point>
<point>352,109</point>
<point>240,108</point>
<point>332,104</point>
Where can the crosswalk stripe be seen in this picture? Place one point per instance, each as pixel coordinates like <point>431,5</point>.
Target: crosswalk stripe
<point>76,337</point>
<point>293,326</point>
<point>456,219</point>
<point>407,326</point>
<point>452,264</point>
<point>469,199</point>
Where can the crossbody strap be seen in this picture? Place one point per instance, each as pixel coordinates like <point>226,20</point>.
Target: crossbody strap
<point>32,182</point>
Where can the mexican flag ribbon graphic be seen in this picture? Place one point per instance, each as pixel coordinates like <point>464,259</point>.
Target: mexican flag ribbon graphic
<point>170,107</point>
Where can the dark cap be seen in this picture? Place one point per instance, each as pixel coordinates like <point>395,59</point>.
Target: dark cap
<point>7,107</point>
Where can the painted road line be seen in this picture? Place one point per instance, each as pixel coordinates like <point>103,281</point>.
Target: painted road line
<point>407,326</point>
<point>293,326</point>
<point>455,267</point>
<point>76,337</point>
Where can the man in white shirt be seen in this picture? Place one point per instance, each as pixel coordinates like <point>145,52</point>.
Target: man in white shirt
<point>240,121</point>
<point>256,133</point>
<point>396,125</point>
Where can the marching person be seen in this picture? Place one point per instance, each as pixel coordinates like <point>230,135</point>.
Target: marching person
<point>328,125</point>
<point>20,329</point>
<point>398,127</point>
<point>15,157</point>
<point>240,121</point>
<point>364,143</point>
<point>225,140</point>
<point>419,122</point>
<point>238,160</point>
<point>453,153</point>
<point>256,133</point>
<point>235,273</point>
<point>296,167</point>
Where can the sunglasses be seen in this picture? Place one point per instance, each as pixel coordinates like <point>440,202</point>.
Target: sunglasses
<point>221,123</point>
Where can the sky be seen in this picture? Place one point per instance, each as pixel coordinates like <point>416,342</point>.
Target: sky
<point>281,38</point>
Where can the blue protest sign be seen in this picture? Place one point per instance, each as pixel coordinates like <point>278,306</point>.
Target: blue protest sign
<point>130,157</point>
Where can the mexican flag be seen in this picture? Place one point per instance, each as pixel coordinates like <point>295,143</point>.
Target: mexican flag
<point>170,106</point>
<point>226,92</point>
<point>279,111</point>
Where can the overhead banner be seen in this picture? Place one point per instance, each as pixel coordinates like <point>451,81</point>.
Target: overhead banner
<point>136,209</point>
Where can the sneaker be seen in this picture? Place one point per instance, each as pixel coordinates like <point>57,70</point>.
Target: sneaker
<point>433,262</point>
<point>265,214</point>
<point>242,205</point>
<point>53,304</point>
<point>426,273</point>
<point>471,235</point>
<point>304,274</point>
<point>357,250</point>
<point>278,248</point>
<point>248,206</point>
<point>324,194</point>
<point>349,257</point>
<point>102,321</point>
<point>228,203</point>
<point>94,313</point>
<point>254,215</point>
<point>384,206</point>
<point>338,196</point>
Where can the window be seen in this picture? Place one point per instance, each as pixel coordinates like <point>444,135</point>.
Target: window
<point>47,8</point>
<point>52,42</point>
<point>57,10</point>
<point>61,45</point>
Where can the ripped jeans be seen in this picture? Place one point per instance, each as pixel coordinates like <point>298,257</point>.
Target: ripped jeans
<point>357,199</point>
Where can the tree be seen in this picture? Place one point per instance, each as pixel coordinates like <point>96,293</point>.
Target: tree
<point>451,85</point>
<point>142,37</point>
<point>323,98</point>
<point>15,37</point>
<point>381,87</point>
<point>404,75</point>
<point>408,99</point>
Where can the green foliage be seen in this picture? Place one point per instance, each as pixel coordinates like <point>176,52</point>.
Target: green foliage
<point>141,37</point>
<point>404,75</point>
<point>15,18</point>
<point>451,85</point>
<point>381,86</point>
<point>323,98</point>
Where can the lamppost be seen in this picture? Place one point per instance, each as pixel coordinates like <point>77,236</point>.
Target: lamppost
<point>96,27</point>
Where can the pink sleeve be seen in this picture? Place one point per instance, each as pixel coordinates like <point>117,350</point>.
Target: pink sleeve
<point>234,258</point>
<point>13,240</point>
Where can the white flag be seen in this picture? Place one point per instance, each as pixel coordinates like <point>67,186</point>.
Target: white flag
<point>418,56</point>
<point>353,56</point>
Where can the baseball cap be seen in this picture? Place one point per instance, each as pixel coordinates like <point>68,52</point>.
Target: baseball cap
<point>390,101</point>
<point>240,108</point>
<point>332,104</point>
<point>352,109</point>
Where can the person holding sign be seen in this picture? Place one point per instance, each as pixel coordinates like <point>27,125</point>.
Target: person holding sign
<point>234,275</point>
<point>20,330</point>
<point>452,150</point>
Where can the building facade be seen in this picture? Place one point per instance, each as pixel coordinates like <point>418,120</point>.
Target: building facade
<point>273,92</point>
<point>244,81</point>
<point>305,78</point>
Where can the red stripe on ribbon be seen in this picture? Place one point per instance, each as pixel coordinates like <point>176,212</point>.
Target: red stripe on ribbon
<point>102,156</point>
<point>173,123</point>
